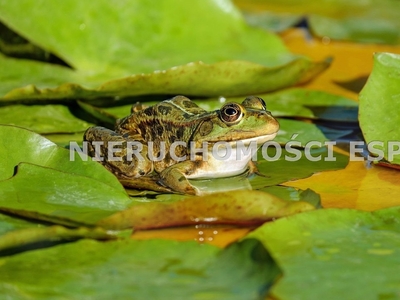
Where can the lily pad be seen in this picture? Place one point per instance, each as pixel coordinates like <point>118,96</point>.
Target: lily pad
<point>230,78</point>
<point>299,131</point>
<point>43,118</point>
<point>292,194</point>
<point>379,104</point>
<point>23,239</point>
<point>281,166</point>
<point>369,22</point>
<point>357,248</point>
<point>276,22</point>
<point>51,195</point>
<point>26,146</point>
<point>130,269</point>
<point>239,207</point>
<point>43,181</point>
<point>134,52</point>
<point>131,63</point>
<point>10,223</point>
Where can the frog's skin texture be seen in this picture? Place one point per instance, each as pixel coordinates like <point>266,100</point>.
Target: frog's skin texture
<point>181,120</point>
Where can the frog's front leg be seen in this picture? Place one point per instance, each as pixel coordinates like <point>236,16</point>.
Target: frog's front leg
<point>119,153</point>
<point>175,177</point>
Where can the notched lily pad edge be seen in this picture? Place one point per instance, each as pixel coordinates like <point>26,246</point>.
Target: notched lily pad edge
<point>174,81</point>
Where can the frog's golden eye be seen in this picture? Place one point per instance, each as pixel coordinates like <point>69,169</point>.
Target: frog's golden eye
<point>231,113</point>
<point>255,103</point>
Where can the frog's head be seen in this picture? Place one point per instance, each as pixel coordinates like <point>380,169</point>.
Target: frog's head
<point>248,121</point>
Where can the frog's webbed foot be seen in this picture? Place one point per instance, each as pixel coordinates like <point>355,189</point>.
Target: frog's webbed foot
<point>145,183</point>
<point>174,178</point>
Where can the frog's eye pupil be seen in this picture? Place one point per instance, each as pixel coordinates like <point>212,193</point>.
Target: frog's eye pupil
<point>231,111</point>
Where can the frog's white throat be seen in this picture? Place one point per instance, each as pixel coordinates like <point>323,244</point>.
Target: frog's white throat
<point>230,159</point>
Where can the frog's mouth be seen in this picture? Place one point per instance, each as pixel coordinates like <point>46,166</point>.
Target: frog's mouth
<point>259,139</point>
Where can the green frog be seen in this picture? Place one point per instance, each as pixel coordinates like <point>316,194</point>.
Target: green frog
<point>161,147</point>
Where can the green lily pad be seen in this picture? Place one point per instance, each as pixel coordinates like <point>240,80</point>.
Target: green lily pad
<point>293,194</point>
<point>18,235</point>
<point>139,65</point>
<point>51,195</point>
<point>86,24</point>
<point>128,269</point>
<point>378,24</point>
<point>43,118</point>
<point>230,78</point>
<point>64,139</point>
<point>281,166</point>
<point>341,249</point>
<point>10,223</point>
<point>379,104</point>
<point>299,131</point>
<point>311,104</point>
<point>49,185</point>
<point>20,240</point>
<point>26,146</point>
<point>373,21</point>
<point>276,22</point>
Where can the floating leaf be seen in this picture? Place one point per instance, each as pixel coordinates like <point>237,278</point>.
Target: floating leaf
<point>224,63</point>
<point>297,102</point>
<point>275,22</point>
<point>152,269</point>
<point>23,238</point>
<point>378,24</point>
<point>239,207</point>
<point>26,146</point>
<point>50,186</point>
<point>42,118</point>
<point>358,248</point>
<point>281,166</point>
<point>369,22</point>
<point>9,223</point>
<point>86,24</point>
<point>51,195</point>
<point>301,132</point>
<point>293,194</point>
<point>230,78</point>
<point>379,103</point>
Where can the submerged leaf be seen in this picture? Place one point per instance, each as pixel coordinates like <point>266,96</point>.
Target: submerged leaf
<point>128,269</point>
<point>357,248</point>
<point>379,107</point>
<point>239,207</point>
